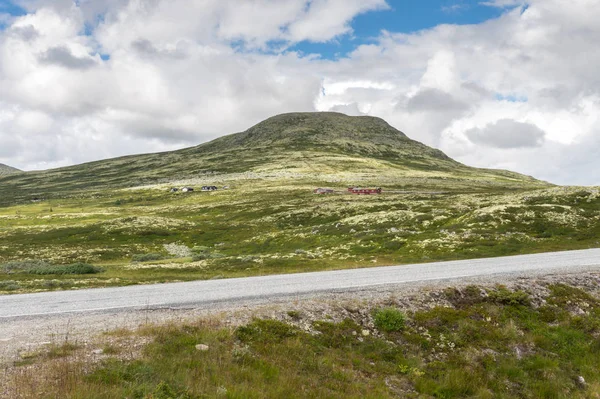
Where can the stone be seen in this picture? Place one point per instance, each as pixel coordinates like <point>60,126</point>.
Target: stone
<point>518,353</point>
<point>98,351</point>
<point>202,347</point>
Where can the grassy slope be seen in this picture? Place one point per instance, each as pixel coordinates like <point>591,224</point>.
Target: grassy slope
<point>269,221</point>
<point>7,170</point>
<point>484,343</point>
<point>359,148</point>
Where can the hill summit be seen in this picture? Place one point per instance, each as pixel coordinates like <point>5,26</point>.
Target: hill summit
<point>325,131</point>
<point>304,148</point>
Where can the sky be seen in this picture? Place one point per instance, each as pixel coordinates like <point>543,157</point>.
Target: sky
<point>507,84</point>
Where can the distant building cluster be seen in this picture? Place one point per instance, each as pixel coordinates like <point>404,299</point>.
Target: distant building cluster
<point>352,190</point>
<point>323,191</point>
<point>364,191</point>
<point>191,189</point>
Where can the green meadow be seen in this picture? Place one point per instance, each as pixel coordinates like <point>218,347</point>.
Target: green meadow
<point>114,222</point>
<point>148,235</point>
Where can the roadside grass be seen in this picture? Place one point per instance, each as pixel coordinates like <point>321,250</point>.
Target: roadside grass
<point>260,227</point>
<point>487,343</point>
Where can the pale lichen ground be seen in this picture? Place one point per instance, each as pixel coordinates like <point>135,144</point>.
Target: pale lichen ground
<point>264,227</point>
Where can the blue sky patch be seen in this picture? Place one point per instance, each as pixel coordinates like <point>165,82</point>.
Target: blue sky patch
<point>8,7</point>
<point>404,16</point>
<point>513,98</point>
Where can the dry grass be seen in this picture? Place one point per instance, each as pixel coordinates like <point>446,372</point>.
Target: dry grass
<point>473,342</point>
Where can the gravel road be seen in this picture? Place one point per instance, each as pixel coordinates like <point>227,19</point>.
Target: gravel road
<point>194,293</point>
<point>30,320</point>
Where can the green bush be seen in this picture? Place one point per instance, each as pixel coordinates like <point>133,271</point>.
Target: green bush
<point>206,255</point>
<point>294,314</point>
<point>389,320</point>
<point>337,335</point>
<point>56,284</point>
<point>201,252</point>
<point>265,331</point>
<point>43,268</point>
<point>75,268</point>
<point>201,256</point>
<point>23,266</point>
<point>9,285</point>
<point>147,257</point>
<point>200,249</point>
<point>466,297</point>
<point>504,296</point>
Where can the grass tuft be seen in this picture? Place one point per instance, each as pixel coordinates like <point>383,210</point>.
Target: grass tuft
<point>389,319</point>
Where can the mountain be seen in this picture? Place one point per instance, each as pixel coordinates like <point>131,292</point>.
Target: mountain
<point>307,147</point>
<point>7,170</point>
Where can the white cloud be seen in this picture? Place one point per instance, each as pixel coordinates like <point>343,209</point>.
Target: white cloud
<point>507,133</point>
<point>327,19</point>
<point>254,22</point>
<point>450,80</point>
<point>62,56</point>
<point>502,3</point>
<point>348,109</point>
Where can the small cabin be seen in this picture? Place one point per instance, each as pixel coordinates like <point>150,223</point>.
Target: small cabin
<point>187,189</point>
<point>323,191</point>
<point>364,191</point>
<point>209,188</point>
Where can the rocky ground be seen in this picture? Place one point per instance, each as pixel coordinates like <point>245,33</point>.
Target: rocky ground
<point>19,338</point>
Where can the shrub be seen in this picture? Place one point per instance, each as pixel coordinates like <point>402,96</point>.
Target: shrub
<point>147,257</point>
<point>200,249</point>
<point>201,256</point>
<point>294,314</point>
<point>389,319</point>
<point>55,284</point>
<point>564,295</point>
<point>205,254</point>
<point>75,268</point>
<point>201,252</point>
<point>43,268</point>
<point>504,296</point>
<point>23,266</point>
<point>394,245</point>
<point>337,335</point>
<point>265,331</point>
<point>466,297</point>
<point>9,285</point>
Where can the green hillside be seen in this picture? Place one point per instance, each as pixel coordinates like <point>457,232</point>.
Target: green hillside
<point>119,217</point>
<point>299,146</point>
<point>7,170</point>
